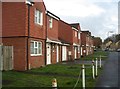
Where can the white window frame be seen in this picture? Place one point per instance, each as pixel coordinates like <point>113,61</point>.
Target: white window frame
<point>78,35</point>
<point>51,22</point>
<point>36,47</point>
<point>38,17</point>
<point>75,33</point>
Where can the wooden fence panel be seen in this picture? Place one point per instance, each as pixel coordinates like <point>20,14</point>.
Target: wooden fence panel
<point>7,62</point>
<point>11,58</point>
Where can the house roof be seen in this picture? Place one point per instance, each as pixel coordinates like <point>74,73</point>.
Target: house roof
<point>63,41</point>
<point>75,25</point>
<point>87,32</point>
<point>52,15</point>
<point>53,40</point>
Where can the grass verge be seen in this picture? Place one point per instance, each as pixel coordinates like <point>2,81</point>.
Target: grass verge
<point>65,74</point>
<point>42,77</point>
<point>97,54</point>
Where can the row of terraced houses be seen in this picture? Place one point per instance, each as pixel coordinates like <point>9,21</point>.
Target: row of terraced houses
<point>39,37</point>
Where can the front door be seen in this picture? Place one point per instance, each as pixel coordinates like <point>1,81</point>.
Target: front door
<point>64,53</point>
<point>48,53</point>
<point>75,49</point>
<point>57,53</point>
<point>81,51</point>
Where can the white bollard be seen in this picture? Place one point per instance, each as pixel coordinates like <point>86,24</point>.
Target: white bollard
<point>83,76</point>
<point>100,65</point>
<point>54,83</point>
<point>96,67</point>
<point>93,69</point>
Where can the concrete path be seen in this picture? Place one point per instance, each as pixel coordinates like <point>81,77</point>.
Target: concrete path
<point>81,62</point>
<point>109,77</point>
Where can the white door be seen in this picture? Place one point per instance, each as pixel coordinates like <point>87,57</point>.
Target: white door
<point>81,51</point>
<point>87,50</point>
<point>64,53</point>
<point>75,49</point>
<point>48,53</point>
<point>57,53</point>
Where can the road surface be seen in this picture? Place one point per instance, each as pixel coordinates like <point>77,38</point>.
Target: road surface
<point>110,75</point>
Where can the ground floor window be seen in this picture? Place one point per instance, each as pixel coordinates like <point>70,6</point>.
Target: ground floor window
<point>36,48</point>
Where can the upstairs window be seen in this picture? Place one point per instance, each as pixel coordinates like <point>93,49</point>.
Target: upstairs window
<point>75,34</point>
<point>38,17</point>
<point>78,35</point>
<point>50,22</point>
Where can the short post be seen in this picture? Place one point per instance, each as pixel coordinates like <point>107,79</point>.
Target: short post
<point>100,65</point>
<point>54,83</point>
<point>96,67</point>
<point>93,69</point>
<point>83,76</point>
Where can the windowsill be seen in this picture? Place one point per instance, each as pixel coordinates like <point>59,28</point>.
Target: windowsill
<point>39,24</point>
<point>36,54</point>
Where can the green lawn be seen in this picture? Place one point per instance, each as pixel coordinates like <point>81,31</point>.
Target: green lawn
<point>97,54</point>
<point>66,75</point>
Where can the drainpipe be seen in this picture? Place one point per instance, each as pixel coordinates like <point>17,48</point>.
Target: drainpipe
<point>45,38</point>
<point>29,4</point>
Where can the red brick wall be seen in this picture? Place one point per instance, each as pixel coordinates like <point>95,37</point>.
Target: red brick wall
<point>60,53</point>
<point>52,32</point>
<point>38,31</point>
<point>79,55</point>
<point>83,48</point>
<point>19,45</point>
<point>83,38</point>
<point>37,61</point>
<point>13,17</point>
<point>20,53</point>
<point>72,52</point>
<point>75,39</point>
<point>65,32</point>
<point>53,53</point>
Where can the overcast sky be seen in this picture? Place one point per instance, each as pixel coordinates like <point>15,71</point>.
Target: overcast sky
<point>99,16</point>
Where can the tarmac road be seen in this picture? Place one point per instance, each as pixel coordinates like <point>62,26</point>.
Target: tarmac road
<point>110,74</point>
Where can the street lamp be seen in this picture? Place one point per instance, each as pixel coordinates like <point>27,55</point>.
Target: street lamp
<point>109,32</point>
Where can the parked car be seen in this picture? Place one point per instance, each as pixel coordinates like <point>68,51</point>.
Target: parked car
<point>118,50</point>
<point>95,49</point>
<point>106,49</point>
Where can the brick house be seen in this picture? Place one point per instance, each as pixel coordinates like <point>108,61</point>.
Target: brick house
<point>39,37</point>
<point>91,45</point>
<point>65,36</point>
<point>97,42</point>
<point>86,43</point>
<point>76,42</point>
<point>53,44</point>
<point>25,28</point>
